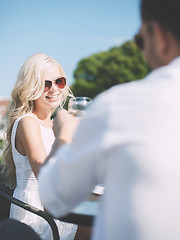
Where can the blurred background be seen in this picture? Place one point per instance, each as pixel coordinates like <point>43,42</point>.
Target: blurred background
<point>91,39</point>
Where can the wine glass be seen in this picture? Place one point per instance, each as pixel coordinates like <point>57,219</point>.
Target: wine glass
<point>77,105</point>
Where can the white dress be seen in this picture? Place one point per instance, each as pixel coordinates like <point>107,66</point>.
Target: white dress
<point>27,190</point>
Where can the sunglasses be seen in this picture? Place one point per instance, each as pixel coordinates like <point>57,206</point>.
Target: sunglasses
<point>59,82</point>
<point>139,41</point>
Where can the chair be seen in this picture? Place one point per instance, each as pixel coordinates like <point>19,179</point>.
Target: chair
<point>6,199</point>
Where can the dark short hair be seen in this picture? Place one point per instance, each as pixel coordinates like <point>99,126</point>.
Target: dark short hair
<point>165,12</point>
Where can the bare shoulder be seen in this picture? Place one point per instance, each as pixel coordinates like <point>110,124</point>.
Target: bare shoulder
<point>28,123</point>
<point>28,136</point>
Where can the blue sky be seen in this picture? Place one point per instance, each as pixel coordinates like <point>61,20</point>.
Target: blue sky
<point>67,30</point>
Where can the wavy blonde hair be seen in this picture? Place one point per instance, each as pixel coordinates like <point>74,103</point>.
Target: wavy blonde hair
<point>29,87</point>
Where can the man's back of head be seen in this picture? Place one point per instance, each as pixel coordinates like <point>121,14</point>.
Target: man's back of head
<point>160,32</point>
<point>165,12</point>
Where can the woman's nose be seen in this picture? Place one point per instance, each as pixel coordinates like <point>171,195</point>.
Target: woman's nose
<point>54,86</point>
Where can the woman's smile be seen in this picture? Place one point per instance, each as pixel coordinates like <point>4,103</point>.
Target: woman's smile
<point>53,98</point>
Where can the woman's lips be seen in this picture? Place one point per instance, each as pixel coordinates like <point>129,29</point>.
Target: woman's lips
<point>53,98</point>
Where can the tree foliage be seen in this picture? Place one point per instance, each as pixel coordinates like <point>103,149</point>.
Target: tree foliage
<point>101,71</point>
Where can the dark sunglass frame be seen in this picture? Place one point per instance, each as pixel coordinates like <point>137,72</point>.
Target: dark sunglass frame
<point>59,82</point>
<point>139,41</point>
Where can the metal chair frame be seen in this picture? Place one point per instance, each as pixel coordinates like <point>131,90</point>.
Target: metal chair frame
<point>34,210</point>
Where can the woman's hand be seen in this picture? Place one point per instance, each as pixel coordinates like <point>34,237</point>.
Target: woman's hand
<point>64,126</point>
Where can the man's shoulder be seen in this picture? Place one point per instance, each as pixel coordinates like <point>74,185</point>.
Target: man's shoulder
<point>156,84</point>
<point>125,89</point>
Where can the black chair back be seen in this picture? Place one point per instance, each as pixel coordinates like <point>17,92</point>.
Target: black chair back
<point>34,210</point>
<point>4,204</point>
<point>6,198</point>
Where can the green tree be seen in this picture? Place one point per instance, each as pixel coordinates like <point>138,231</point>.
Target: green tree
<point>1,143</point>
<point>103,70</point>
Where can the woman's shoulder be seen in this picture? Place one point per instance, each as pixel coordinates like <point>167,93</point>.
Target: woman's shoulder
<point>26,125</point>
<point>26,116</point>
<point>29,121</point>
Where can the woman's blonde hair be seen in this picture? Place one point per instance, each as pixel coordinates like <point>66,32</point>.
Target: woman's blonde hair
<point>29,87</point>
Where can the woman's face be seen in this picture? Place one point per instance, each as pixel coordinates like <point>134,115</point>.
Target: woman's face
<point>50,99</point>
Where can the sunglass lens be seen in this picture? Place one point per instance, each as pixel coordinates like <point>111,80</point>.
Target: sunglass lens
<point>48,85</point>
<point>61,82</point>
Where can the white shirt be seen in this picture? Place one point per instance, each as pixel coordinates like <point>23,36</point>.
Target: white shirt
<point>130,140</point>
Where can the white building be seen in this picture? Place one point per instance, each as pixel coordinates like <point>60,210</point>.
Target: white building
<point>4,103</point>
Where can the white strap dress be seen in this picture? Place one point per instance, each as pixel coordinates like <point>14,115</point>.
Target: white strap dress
<point>27,189</point>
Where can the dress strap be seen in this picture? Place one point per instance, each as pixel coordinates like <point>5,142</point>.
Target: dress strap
<point>15,125</point>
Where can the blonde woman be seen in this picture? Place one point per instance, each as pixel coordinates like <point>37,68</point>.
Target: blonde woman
<point>40,88</point>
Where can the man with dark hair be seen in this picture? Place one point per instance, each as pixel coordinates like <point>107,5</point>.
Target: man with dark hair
<point>130,141</point>
<point>163,12</point>
<point>160,23</point>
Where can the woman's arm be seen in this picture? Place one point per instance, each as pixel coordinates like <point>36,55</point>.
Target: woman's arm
<point>64,127</point>
<point>28,142</point>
